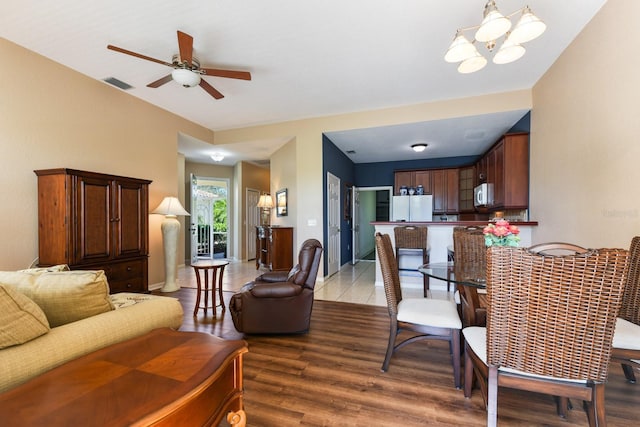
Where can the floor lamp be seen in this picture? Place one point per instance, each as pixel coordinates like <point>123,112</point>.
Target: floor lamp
<point>170,208</point>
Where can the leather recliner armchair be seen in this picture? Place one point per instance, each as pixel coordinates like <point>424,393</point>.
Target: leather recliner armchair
<point>279,302</point>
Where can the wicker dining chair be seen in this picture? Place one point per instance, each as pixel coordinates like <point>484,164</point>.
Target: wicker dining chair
<point>542,333</point>
<point>427,318</point>
<point>557,249</point>
<point>470,252</point>
<point>626,340</point>
<point>414,239</point>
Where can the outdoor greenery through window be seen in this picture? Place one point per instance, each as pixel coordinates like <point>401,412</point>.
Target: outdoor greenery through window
<point>211,218</point>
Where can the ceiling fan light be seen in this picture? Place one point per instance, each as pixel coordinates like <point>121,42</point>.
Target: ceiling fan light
<point>494,24</point>
<point>419,148</point>
<point>472,65</point>
<point>186,78</point>
<point>461,48</point>
<point>508,52</point>
<point>528,27</point>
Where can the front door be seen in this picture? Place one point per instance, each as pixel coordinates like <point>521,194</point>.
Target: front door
<point>209,218</point>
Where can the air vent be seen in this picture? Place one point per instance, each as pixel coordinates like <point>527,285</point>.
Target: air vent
<point>118,83</point>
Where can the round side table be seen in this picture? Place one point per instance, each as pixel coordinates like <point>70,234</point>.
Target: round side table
<point>217,271</point>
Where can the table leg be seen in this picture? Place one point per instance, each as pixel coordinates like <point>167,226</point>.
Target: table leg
<point>198,291</point>
<point>214,273</point>
<point>220,288</point>
<point>206,291</point>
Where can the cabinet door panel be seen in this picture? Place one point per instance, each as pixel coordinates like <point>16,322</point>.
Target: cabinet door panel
<point>130,233</point>
<point>424,178</point>
<point>403,178</point>
<point>439,188</point>
<point>93,229</point>
<point>452,187</point>
<point>499,177</point>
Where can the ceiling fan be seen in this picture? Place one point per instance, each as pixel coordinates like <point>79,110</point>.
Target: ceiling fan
<point>186,67</point>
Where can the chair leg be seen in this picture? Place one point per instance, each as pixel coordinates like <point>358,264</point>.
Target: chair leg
<point>492,397</point>
<point>393,332</point>
<point>628,373</point>
<point>595,409</point>
<point>425,278</point>
<point>468,372</point>
<point>563,405</point>
<point>455,356</point>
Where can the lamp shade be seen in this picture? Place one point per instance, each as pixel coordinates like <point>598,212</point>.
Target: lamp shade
<point>472,65</point>
<point>461,48</point>
<point>528,27</point>
<point>265,201</point>
<point>493,25</point>
<point>186,78</point>
<point>170,206</point>
<point>508,52</point>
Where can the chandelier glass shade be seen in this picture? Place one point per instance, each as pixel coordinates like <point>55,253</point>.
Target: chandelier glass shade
<point>493,27</point>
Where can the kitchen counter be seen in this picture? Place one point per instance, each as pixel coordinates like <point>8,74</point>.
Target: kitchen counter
<point>439,238</point>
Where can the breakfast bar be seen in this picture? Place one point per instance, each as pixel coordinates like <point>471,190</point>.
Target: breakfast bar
<point>439,238</point>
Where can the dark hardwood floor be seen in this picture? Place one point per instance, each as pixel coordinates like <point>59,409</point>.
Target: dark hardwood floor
<point>331,377</point>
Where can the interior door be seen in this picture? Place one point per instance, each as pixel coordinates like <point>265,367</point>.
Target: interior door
<point>333,223</point>
<point>355,225</point>
<point>253,220</point>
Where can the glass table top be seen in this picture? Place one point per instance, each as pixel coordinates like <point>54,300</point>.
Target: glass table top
<point>464,274</point>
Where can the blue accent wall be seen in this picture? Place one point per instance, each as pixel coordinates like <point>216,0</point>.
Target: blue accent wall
<point>338,164</point>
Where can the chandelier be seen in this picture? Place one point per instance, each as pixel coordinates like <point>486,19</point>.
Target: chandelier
<point>494,25</point>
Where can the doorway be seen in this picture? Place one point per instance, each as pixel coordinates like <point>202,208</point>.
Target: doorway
<point>372,204</point>
<point>209,218</point>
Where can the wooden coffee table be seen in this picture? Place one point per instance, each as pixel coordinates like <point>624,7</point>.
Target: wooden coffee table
<point>164,378</point>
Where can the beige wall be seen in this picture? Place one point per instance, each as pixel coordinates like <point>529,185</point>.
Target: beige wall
<point>51,116</point>
<point>584,138</point>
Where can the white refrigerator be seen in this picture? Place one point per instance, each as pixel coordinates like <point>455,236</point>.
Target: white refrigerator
<point>412,208</point>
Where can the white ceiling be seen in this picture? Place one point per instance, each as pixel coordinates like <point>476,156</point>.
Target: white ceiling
<point>307,59</point>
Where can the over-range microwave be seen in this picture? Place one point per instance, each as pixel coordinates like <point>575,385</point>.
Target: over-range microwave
<point>483,195</point>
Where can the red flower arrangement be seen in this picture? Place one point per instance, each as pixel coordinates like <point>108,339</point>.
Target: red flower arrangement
<point>501,234</point>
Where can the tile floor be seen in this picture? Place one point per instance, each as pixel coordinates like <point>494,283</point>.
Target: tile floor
<point>353,283</point>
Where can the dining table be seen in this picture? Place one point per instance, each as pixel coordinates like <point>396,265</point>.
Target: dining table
<point>471,284</point>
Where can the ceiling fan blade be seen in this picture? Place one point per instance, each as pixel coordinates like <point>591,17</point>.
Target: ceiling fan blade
<point>211,90</point>
<point>242,75</point>
<point>160,82</point>
<point>138,55</point>
<point>185,43</point>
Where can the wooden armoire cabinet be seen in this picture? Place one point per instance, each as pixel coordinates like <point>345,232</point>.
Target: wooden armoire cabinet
<point>94,221</point>
<point>274,248</point>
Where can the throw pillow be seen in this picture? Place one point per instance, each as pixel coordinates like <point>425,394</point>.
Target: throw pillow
<point>64,296</point>
<point>21,319</point>
<point>59,267</point>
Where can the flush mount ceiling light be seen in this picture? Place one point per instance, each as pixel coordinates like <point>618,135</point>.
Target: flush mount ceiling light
<point>419,148</point>
<point>217,157</point>
<point>186,78</point>
<point>494,25</point>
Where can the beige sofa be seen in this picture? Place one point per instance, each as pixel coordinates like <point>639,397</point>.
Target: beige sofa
<point>50,317</point>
